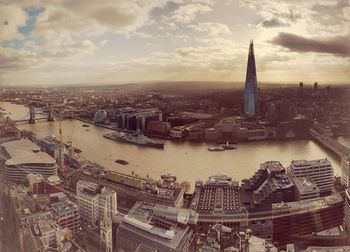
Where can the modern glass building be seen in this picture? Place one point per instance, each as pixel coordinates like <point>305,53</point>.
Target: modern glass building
<point>251,101</point>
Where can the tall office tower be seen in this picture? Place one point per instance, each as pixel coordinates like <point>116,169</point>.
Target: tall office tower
<point>88,202</point>
<point>251,101</point>
<point>315,87</point>
<point>301,86</point>
<point>320,171</point>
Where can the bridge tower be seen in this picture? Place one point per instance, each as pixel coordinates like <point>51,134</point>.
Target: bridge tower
<point>51,116</point>
<point>32,115</point>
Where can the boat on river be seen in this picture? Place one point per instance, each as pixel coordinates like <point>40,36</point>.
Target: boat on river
<point>121,161</point>
<point>134,138</point>
<point>228,146</point>
<point>216,148</point>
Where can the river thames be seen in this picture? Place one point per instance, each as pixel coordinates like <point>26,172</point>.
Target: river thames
<point>188,161</point>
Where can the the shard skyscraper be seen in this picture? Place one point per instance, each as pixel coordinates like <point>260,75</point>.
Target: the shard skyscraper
<point>251,99</point>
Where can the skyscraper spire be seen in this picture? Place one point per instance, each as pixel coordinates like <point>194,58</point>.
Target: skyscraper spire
<point>251,102</point>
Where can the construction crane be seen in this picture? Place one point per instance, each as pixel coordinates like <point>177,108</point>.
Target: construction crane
<point>70,140</point>
<point>60,133</point>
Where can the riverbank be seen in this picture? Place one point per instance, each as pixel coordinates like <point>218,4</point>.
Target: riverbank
<point>189,161</point>
<point>96,124</point>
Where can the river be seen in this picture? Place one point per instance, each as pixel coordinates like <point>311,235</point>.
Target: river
<point>188,161</point>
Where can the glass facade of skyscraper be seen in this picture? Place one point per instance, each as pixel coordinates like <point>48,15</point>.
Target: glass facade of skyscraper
<point>251,102</point>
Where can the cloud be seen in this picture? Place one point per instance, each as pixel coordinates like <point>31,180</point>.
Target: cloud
<point>104,42</point>
<point>213,29</point>
<point>11,18</point>
<point>21,59</point>
<point>188,12</point>
<point>330,14</point>
<point>84,47</point>
<point>16,59</point>
<point>272,22</point>
<point>337,45</point>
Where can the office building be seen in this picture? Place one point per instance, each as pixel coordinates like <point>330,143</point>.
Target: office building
<point>64,212</point>
<point>23,157</point>
<point>251,99</point>
<point>45,235</point>
<point>159,128</point>
<point>300,90</point>
<point>280,111</point>
<point>88,202</point>
<point>218,199</point>
<point>39,185</point>
<point>140,227</point>
<point>306,188</point>
<point>136,119</point>
<point>320,171</point>
<point>270,184</point>
<point>228,129</point>
<point>131,188</point>
<point>304,217</point>
<point>53,147</point>
<point>94,201</point>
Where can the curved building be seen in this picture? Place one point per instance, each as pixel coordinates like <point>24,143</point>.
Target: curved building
<point>100,116</point>
<point>23,157</point>
<point>292,220</point>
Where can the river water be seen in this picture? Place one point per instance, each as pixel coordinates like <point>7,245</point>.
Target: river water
<point>188,161</point>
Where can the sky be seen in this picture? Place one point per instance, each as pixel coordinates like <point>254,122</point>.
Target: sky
<point>63,42</point>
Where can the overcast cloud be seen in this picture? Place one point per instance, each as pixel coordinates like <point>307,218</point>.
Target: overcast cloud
<point>116,41</point>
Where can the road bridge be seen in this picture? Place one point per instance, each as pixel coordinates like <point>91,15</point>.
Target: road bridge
<point>330,143</point>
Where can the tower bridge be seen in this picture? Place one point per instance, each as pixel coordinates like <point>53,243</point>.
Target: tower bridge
<point>34,116</point>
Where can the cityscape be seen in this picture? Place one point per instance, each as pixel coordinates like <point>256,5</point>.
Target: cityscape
<point>199,155</point>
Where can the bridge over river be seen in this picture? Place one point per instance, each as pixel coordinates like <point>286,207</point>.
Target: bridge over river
<point>330,143</point>
<point>34,115</point>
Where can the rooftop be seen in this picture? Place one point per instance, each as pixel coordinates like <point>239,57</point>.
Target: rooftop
<point>171,238</point>
<point>328,249</point>
<point>306,205</point>
<point>305,185</point>
<point>25,152</point>
<point>181,215</point>
<point>219,195</point>
<point>304,162</point>
<point>281,181</point>
<point>272,166</point>
<point>64,206</point>
<point>87,187</point>
<point>20,147</point>
<point>34,158</point>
